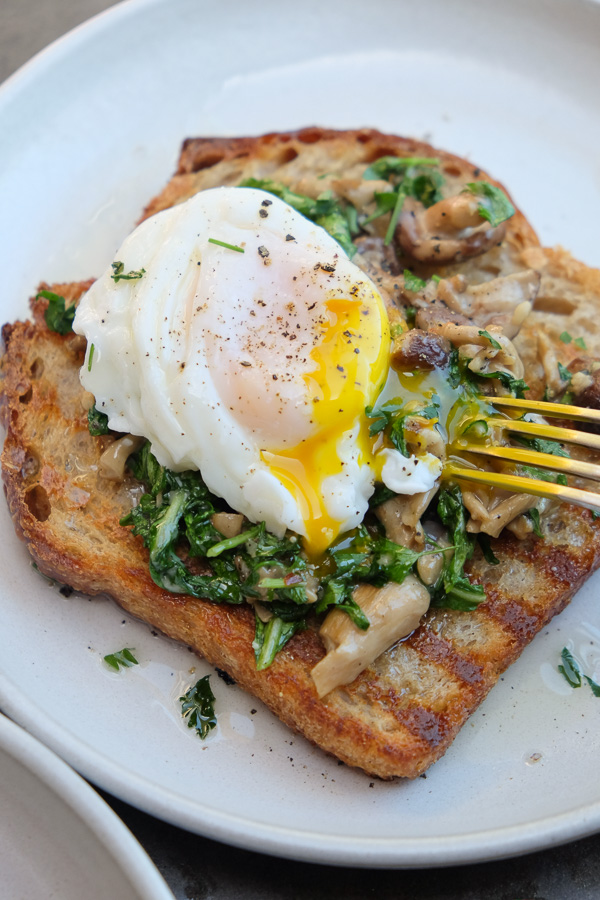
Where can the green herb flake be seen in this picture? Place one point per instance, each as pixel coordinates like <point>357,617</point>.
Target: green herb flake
<point>227,246</point>
<point>493,341</point>
<point>197,706</point>
<point>412,282</point>
<point>494,206</point>
<point>534,515</point>
<point>580,343</point>
<point>97,422</point>
<point>386,166</point>
<point>594,685</point>
<point>570,668</point>
<point>119,273</point>
<point>564,373</point>
<point>58,316</point>
<point>486,548</point>
<point>90,358</point>
<point>122,659</point>
<point>565,337</point>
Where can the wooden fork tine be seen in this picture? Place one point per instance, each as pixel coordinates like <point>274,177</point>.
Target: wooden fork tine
<point>552,410</point>
<point>533,458</point>
<point>549,432</point>
<point>523,485</point>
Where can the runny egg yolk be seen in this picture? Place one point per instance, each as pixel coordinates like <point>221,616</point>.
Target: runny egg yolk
<point>351,365</point>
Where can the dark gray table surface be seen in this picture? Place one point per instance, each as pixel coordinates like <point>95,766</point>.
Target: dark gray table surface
<point>197,868</point>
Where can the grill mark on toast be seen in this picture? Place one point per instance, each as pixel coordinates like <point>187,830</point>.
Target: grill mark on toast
<point>437,650</point>
<point>511,616</point>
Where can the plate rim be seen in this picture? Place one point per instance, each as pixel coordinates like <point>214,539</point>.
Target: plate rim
<point>86,805</point>
<point>397,853</point>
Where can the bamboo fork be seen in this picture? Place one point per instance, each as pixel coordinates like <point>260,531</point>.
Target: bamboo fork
<point>458,468</point>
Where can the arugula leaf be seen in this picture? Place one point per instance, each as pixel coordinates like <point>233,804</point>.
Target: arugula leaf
<point>484,542</point>
<point>58,316</point>
<point>570,668</point>
<point>494,205</point>
<point>121,659</point>
<point>271,637</point>
<point>197,706</point>
<point>458,592</point>
<point>97,421</point>
<point>119,273</point>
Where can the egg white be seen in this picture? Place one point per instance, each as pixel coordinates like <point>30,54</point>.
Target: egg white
<point>216,356</point>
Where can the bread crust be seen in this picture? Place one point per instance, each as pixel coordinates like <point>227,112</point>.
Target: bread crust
<point>404,710</point>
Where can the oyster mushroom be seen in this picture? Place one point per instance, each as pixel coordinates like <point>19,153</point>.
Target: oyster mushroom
<point>449,231</point>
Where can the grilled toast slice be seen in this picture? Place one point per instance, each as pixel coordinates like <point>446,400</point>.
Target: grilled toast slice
<point>403,711</point>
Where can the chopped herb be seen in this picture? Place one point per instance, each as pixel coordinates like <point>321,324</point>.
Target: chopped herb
<point>484,542</point>
<point>386,166</point>
<point>495,344</point>
<point>400,198</point>
<point>570,668</point>
<point>97,421</point>
<point>197,706</point>
<point>494,205</point>
<point>121,659</point>
<point>58,316</point>
<point>391,418</point>
<point>534,515</point>
<point>412,282</point>
<point>543,445</point>
<point>566,338</point>
<point>574,674</point>
<point>271,637</point>
<point>454,590</point>
<point>119,273</point>
<point>410,314</point>
<point>232,246</point>
<point>385,201</point>
<point>594,686</point>
<point>336,217</point>
<point>90,358</point>
<point>515,385</point>
<point>564,373</point>
<point>544,475</point>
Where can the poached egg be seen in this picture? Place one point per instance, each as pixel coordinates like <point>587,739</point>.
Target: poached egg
<point>238,337</point>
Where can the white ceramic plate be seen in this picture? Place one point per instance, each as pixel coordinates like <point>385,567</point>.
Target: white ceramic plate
<point>58,838</point>
<point>91,129</point>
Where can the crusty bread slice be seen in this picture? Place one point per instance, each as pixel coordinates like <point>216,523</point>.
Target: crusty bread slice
<point>403,711</point>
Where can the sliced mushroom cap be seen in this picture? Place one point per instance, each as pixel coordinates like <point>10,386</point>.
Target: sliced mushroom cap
<point>451,230</point>
<point>393,610</point>
<point>418,349</point>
